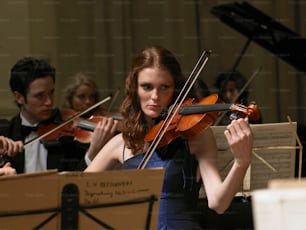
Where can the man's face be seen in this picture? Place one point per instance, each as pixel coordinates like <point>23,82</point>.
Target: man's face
<point>39,100</point>
<point>230,92</point>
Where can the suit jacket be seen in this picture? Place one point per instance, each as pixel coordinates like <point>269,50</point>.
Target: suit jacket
<point>64,154</point>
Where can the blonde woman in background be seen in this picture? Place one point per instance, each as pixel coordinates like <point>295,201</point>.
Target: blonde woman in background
<point>80,95</point>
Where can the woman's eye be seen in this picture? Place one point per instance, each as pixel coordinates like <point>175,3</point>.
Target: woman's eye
<point>165,87</point>
<point>146,87</point>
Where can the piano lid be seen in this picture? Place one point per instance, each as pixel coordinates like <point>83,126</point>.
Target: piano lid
<point>265,31</point>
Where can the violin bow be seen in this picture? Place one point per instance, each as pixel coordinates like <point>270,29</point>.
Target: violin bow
<point>256,72</point>
<point>174,109</point>
<point>68,121</point>
<point>113,100</point>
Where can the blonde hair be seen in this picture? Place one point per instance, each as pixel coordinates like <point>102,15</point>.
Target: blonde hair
<point>79,79</point>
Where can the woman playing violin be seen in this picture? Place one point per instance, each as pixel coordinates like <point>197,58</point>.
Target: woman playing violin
<point>81,95</point>
<point>152,85</point>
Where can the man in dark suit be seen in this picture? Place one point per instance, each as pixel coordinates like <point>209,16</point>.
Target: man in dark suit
<point>32,84</point>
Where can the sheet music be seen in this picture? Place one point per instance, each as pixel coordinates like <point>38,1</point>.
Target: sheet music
<point>273,142</point>
<point>126,199</point>
<point>28,192</point>
<point>117,189</point>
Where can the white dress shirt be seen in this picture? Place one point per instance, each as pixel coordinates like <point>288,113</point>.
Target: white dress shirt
<point>35,153</point>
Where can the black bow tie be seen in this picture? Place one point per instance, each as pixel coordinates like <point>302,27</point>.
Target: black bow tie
<point>25,130</point>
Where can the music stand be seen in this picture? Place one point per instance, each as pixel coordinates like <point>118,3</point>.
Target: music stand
<point>265,31</point>
<point>274,154</point>
<point>77,200</point>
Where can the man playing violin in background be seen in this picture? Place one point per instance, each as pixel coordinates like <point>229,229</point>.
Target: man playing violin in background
<point>230,86</point>
<point>10,148</point>
<point>32,84</point>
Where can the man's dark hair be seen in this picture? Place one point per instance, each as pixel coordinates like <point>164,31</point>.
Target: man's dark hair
<point>235,76</point>
<point>28,69</point>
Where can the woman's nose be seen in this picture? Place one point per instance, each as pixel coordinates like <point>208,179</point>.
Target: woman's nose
<point>155,94</point>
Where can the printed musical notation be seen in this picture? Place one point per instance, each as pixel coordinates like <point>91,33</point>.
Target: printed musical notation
<point>274,153</point>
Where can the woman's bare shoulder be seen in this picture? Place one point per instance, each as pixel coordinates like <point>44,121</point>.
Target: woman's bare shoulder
<point>116,147</point>
<point>109,157</point>
<point>115,143</point>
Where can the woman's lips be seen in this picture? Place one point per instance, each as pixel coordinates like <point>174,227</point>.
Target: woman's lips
<point>153,107</point>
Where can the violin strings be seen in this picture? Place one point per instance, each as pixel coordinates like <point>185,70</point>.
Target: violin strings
<point>115,96</point>
<point>239,108</point>
<point>174,109</point>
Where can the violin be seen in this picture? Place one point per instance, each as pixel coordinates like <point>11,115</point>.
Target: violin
<point>84,128</point>
<point>56,131</point>
<point>81,129</point>
<point>167,124</point>
<point>192,119</point>
<point>67,130</point>
<point>177,124</point>
<point>171,132</point>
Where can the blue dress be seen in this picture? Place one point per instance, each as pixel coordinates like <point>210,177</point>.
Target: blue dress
<point>179,196</point>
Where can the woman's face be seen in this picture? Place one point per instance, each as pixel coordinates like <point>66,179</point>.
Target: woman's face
<point>83,98</point>
<point>155,91</point>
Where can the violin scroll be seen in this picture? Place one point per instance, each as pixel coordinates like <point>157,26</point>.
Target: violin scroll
<point>252,111</point>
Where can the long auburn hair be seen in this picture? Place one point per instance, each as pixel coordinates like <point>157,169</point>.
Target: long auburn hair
<point>134,125</point>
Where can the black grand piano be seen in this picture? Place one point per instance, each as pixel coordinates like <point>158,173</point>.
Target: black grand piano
<point>265,31</point>
<point>270,34</point>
